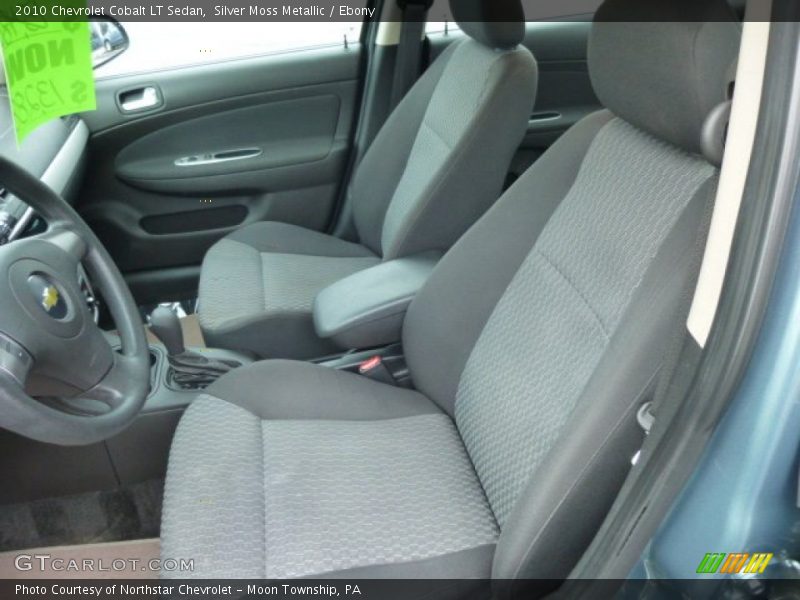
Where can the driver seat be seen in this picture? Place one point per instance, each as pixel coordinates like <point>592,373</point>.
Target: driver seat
<point>531,348</point>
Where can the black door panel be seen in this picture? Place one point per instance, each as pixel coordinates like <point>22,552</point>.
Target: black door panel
<point>238,149</point>
<point>270,136</point>
<point>564,94</point>
<point>194,86</point>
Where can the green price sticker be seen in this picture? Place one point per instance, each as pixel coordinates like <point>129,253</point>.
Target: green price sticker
<point>48,68</point>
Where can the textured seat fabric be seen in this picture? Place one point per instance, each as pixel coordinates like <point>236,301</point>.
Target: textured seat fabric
<point>289,495</point>
<point>436,165</point>
<point>569,294</point>
<point>308,497</point>
<point>258,287</point>
<point>531,347</point>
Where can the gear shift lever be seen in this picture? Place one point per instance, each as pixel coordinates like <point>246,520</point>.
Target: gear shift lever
<point>166,326</point>
<point>189,370</point>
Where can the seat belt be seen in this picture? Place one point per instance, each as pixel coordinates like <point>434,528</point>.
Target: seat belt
<point>649,411</point>
<point>713,147</point>
<point>409,48</point>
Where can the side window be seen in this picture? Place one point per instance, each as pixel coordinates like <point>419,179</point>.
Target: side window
<point>440,27</point>
<point>164,45</point>
<point>440,17</point>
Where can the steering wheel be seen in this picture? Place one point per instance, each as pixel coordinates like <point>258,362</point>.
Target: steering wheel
<point>86,392</point>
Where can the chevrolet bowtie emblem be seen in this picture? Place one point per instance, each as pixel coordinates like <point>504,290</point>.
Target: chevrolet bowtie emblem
<point>49,297</point>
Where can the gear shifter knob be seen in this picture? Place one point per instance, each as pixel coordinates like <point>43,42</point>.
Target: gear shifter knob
<point>166,326</point>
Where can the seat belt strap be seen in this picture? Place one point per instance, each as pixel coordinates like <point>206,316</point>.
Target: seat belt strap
<point>409,48</point>
<point>648,412</point>
<point>715,130</point>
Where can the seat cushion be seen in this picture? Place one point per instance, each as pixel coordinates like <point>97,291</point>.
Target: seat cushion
<point>279,498</point>
<point>271,236</point>
<point>257,288</point>
<point>327,393</point>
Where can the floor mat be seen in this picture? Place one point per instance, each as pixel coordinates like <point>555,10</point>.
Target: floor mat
<point>126,513</point>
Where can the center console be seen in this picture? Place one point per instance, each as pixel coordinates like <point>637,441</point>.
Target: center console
<point>169,390</point>
<point>180,369</point>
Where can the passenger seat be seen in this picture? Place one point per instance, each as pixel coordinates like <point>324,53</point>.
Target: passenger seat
<point>436,165</point>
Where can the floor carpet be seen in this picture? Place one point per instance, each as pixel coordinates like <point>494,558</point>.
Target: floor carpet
<point>126,513</point>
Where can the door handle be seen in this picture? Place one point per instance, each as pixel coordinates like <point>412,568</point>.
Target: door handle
<point>211,158</point>
<point>139,99</point>
<point>539,117</point>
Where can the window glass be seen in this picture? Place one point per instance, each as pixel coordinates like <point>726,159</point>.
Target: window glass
<point>440,27</point>
<point>163,45</point>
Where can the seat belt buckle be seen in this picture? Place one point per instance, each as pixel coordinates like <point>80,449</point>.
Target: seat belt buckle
<point>374,368</point>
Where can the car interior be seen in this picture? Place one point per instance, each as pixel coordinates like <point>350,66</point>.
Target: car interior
<point>346,313</point>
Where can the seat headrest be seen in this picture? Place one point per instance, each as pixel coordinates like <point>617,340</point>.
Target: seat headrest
<point>495,23</point>
<point>664,65</point>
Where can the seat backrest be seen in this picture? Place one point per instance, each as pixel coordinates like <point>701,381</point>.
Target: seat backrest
<point>544,327</point>
<point>441,158</point>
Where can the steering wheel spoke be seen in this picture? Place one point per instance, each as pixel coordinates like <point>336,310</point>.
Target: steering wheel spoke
<point>111,390</point>
<point>15,362</point>
<point>68,241</point>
